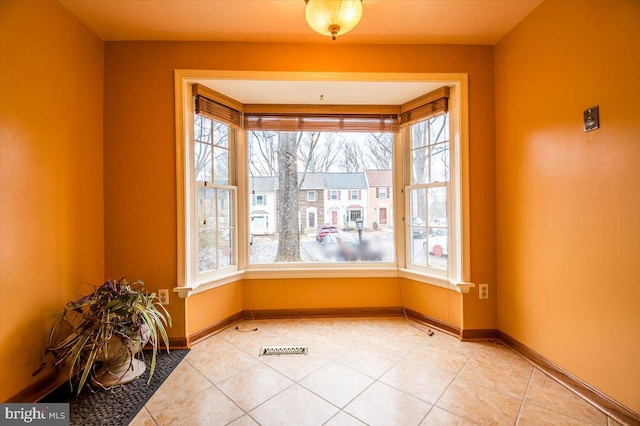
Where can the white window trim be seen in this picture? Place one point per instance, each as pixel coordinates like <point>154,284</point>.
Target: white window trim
<point>459,137</point>
<point>315,196</point>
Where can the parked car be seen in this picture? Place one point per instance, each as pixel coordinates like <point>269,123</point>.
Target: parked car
<point>324,230</point>
<point>438,242</point>
<point>438,222</point>
<point>418,232</point>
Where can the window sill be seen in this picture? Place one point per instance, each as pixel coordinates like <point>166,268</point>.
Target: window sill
<point>184,292</point>
<point>461,287</point>
<point>308,270</point>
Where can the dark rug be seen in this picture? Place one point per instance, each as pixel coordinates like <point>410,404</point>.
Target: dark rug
<point>118,406</point>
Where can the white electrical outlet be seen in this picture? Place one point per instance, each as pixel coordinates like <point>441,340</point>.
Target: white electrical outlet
<point>483,290</point>
<point>163,295</point>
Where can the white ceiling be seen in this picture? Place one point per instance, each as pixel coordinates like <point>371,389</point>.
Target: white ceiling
<point>308,92</point>
<point>482,22</point>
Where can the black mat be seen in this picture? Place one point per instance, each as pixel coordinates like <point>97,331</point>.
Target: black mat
<point>118,406</point>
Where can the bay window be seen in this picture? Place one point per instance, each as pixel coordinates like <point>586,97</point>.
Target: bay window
<point>304,182</point>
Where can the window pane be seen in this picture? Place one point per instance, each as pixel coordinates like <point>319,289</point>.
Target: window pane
<point>225,252</point>
<point>220,134</point>
<point>437,201</point>
<point>420,166</point>
<point>206,208</point>
<point>202,162</point>
<point>439,129</point>
<point>417,252</point>
<point>202,129</point>
<point>438,243</point>
<point>225,218</point>
<point>332,192</point>
<point>206,250</point>
<point>221,166</point>
<point>439,163</point>
<point>417,207</point>
<point>420,134</point>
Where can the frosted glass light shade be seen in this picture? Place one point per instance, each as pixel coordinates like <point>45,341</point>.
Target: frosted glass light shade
<point>333,17</point>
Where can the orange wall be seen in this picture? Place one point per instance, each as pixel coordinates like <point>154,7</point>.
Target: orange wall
<point>213,306</point>
<point>568,202</point>
<point>437,302</point>
<point>140,188</point>
<point>51,211</point>
<point>313,293</point>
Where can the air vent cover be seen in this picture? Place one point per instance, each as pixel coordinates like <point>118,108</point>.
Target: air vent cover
<point>284,350</point>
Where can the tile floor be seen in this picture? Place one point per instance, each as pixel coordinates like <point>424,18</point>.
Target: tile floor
<point>375,371</point>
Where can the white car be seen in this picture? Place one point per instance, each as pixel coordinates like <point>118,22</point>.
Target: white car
<point>438,242</point>
<point>438,222</point>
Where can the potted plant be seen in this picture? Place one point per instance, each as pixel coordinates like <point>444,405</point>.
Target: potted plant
<point>99,335</point>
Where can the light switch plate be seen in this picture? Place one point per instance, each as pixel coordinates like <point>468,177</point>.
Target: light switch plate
<point>591,118</point>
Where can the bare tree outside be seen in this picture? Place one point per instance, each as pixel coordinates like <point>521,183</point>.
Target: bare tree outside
<point>353,159</point>
<point>380,151</point>
<point>289,241</point>
<point>319,157</point>
<point>263,154</point>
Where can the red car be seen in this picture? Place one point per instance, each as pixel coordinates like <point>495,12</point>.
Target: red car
<point>324,230</point>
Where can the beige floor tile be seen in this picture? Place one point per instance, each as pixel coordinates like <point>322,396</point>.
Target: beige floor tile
<point>244,421</point>
<point>220,366</point>
<point>208,407</point>
<point>534,415</point>
<point>343,419</point>
<point>363,359</point>
<point>295,406</point>
<point>479,405</point>
<point>254,386</point>
<point>253,342</point>
<point>418,379</point>
<point>183,382</point>
<point>498,369</point>
<point>393,344</point>
<point>143,418</point>
<point>549,394</point>
<point>444,360</point>
<point>295,367</point>
<point>346,356</point>
<point>438,417</point>
<point>330,347</point>
<point>383,405</point>
<point>207,347</point>
<point>240,338</point>
<point>448,343</point>
<point>336,383</point>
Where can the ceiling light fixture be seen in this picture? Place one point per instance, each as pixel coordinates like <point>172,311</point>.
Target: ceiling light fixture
<point>333,17</point>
